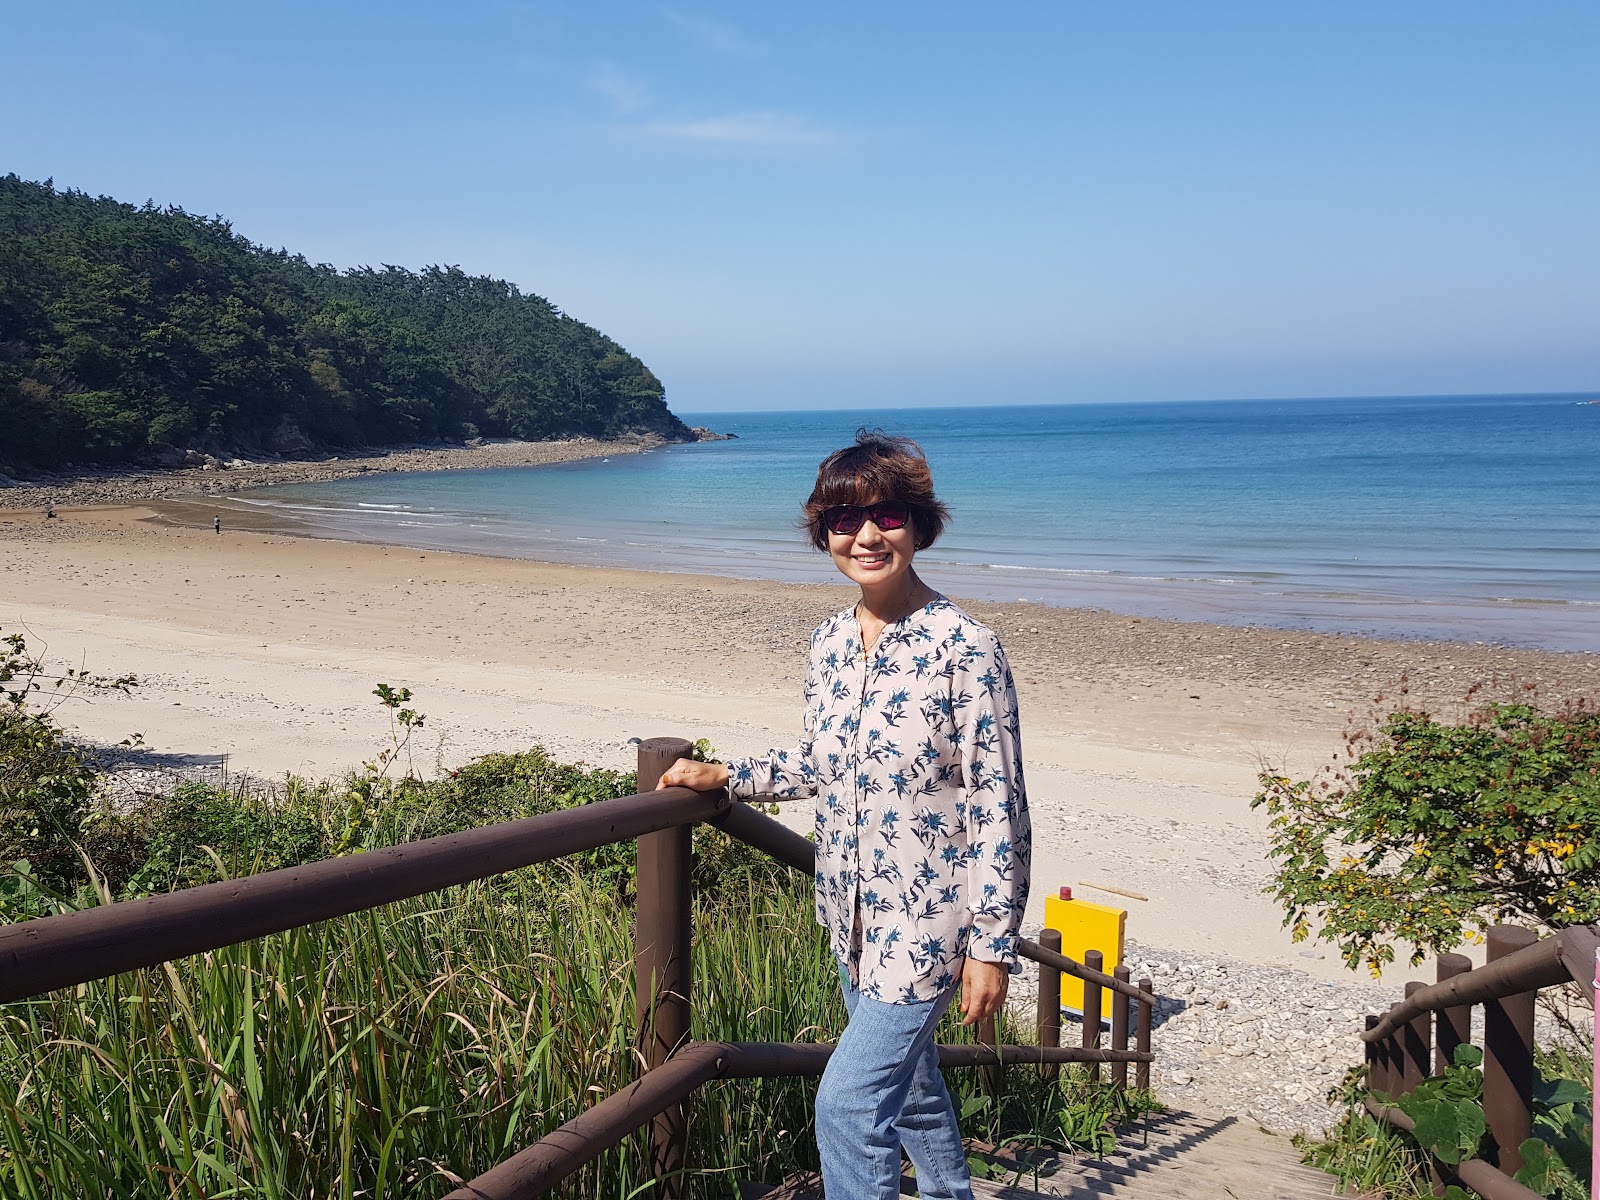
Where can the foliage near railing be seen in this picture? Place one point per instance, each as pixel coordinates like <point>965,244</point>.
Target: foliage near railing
<point>396,1051</point>
<point>386,1052</point>
<point>1428,833</point>
<point>1369,1156</point>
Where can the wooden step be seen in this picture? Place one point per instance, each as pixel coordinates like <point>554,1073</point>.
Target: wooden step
<point>1176,1156</point>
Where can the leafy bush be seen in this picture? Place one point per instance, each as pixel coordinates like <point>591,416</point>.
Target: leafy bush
<point>1429,832</point>
<point>46,784</point>
<point>1372,1156</point>
<point>200,833</point>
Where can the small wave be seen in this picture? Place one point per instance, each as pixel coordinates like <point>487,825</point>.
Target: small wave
<point>1050,570</point>
<point>1542,602</point>
<point>390,507</point>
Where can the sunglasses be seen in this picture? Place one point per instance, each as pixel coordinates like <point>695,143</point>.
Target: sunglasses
<point>848,518</point>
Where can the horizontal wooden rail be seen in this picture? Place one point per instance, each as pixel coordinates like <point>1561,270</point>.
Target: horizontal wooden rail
<point>1071,966</point>
<point>565,1150</point>
<point>558,1154</point>
<point>54,952</point>
<point>1565,957</point>
<point>750,1060</point>
<point>1482,1177</point>
<point>762,832</point>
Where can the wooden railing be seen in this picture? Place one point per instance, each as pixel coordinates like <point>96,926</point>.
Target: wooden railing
<point>1418,1037</point>
<point>73,948</point>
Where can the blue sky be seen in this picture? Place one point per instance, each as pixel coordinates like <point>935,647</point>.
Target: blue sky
<point>894,203</point>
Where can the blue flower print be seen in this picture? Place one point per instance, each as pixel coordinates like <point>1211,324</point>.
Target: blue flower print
<point>960,885</point>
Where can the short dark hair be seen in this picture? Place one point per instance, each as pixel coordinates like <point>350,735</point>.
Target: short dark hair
<point>877,467</point>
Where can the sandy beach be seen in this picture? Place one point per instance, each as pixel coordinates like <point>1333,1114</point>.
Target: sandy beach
<point>257,653</point>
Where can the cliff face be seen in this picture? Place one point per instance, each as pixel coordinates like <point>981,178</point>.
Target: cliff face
<point>129,334</point>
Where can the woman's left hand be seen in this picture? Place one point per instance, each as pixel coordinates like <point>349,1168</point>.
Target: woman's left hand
<point>983,989</point>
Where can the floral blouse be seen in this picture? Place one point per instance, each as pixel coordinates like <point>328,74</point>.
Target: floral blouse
<point>922,828</point>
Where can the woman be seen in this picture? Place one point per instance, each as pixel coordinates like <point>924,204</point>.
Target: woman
<point>910,745</point>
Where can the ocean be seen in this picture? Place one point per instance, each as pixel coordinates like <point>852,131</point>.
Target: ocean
<point>1450,518</point>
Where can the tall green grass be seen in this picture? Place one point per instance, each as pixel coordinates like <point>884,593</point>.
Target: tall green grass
<point>389,1053</point>
<point>392,1053</point>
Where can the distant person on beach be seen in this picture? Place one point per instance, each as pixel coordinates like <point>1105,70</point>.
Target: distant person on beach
<point>910,744</point>
<point>216,523</point>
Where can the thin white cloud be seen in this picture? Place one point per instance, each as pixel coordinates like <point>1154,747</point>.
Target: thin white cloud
<point>625,94</point>
<point>714,35</point>
<point>748,130</point>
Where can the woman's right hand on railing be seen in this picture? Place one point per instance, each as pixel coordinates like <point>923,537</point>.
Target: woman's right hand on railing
<point>699,776</point>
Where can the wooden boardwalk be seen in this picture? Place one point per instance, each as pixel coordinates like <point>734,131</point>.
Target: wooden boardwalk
<point>1181,1156</point>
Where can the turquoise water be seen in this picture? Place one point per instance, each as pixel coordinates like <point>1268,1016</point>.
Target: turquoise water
<point>1463,518</point>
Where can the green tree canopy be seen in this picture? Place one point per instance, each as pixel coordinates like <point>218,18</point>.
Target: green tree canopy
<point>125,330</point>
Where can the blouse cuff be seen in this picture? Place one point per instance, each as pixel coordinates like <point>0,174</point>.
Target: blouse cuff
<point>741,779</point>
<point>1001,950</point>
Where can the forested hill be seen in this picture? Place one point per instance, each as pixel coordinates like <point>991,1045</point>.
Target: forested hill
<point>127,332</point>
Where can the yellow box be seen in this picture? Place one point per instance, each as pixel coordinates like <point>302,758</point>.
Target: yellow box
<point>1084,926</point>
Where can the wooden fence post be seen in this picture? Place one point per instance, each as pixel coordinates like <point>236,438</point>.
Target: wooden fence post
<point>1050,1001</point>
<point>1094,960</point>
<point>1141,1074</point>
<point>662,964</point>
<point>1371,1051</point>
<point>1389,1059</point>
<point>1414,1042</point>
<point>993,1075</point>
<point>1454,1025</point>
<point>1508,1058</point>
<point>1119,1028</point>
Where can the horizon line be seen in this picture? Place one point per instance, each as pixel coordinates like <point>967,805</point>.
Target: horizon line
<point>1561,395</point>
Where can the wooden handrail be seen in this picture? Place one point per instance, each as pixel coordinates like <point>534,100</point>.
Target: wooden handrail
<point>777,841</point>
<point>71,948</point>
<point>1027,948</point>
<point>1420,1034</point>
<point>557,1155</point>
<point>53,952</point>
<point>1544,964</point>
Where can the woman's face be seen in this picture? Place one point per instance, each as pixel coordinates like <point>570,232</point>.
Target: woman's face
<point>874,558</point>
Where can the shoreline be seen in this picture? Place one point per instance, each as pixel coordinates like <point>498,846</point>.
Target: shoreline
<point>1392,618</point>
<point>189,496</point>
<point>211,476</point>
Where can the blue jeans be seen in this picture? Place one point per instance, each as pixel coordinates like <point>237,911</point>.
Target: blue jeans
<point>882,1090</point>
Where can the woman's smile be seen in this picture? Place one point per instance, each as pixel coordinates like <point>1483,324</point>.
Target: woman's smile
<point>879,559</point>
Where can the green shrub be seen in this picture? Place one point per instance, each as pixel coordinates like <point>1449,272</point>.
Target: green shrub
<point>46,784</point>
<point>200,833</point>
<point>1431,832</point>
<point>1372,1157</point>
